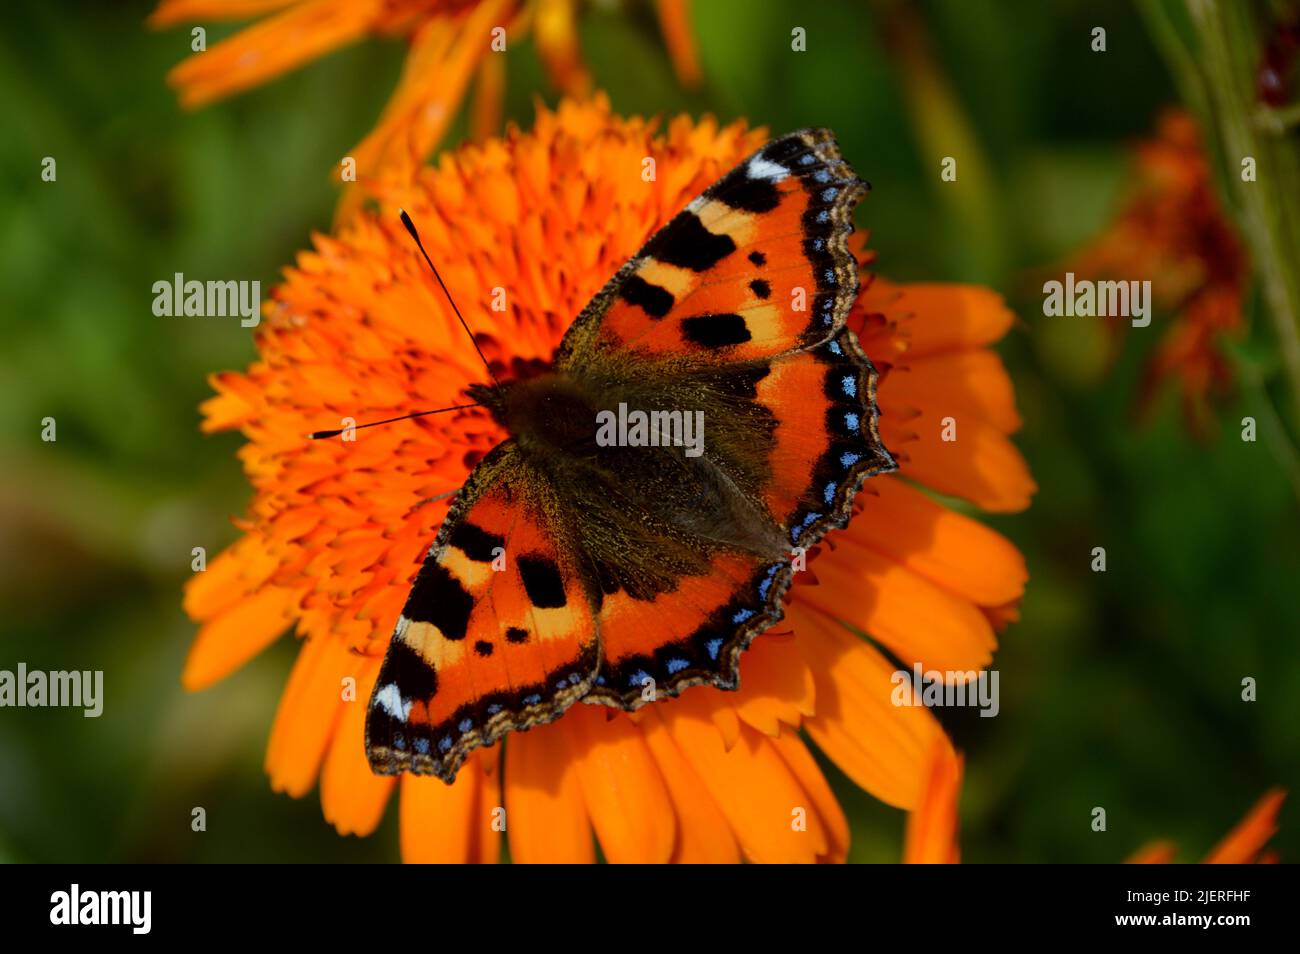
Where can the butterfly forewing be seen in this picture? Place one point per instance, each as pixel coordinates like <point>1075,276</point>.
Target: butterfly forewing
<point>497,634</point>
<point>755,267</point>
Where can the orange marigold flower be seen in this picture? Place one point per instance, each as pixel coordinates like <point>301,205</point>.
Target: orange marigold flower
<point>335,531</point>
<point>1173,230</point>
<point>450,42</point>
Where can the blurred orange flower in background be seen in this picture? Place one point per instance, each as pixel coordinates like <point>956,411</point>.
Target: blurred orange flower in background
<point>451,43</point>
<point>931,836</point>
<point>1173,230</point>
<point>335,531</point>
<point>1243,845</point>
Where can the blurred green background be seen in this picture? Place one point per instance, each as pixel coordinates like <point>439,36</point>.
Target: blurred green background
<point>1119,689</point>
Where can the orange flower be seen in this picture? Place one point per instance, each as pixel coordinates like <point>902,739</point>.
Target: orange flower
<point>931,835</point>
<point>1242,846</point>
<point>450,42</point>
<point>1173,231</point>
<point>335,531</point>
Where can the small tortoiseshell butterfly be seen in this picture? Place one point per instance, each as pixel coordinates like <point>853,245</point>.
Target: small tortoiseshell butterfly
<point>573,568</point>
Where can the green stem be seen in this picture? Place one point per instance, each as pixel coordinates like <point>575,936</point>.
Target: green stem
<point>1271,426</point>
<point>1188,79</point>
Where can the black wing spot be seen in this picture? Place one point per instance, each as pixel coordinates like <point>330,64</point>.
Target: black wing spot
<point>476,542</point>
<point>438,598</point>
<point>761,288</point>
<point>652,299</point>
<point>784,150</point>
<point>744,194</point>
<point>758,258</point>
<point>414,677</point>
<point>483,647</point>
<point>715,331</point>
<point>542,581</point>
<point>686,243</point>
<point>516,635</point>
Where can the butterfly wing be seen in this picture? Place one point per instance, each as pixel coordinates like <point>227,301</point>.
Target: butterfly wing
<point>497,633</point>
<point>736,306</point>
<point>823,445</point>
<point>755,267</point>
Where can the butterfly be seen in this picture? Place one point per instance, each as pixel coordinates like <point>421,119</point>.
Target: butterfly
<point>618,563</point>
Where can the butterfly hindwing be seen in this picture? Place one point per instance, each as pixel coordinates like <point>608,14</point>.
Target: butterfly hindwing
<point>497,633</point>
<point>824,445</point>
<point>827,441</point>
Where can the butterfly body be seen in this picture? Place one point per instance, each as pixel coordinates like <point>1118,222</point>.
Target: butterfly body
<point>621,564</point>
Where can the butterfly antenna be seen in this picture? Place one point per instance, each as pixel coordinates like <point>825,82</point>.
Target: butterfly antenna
<point>320,435</point>
<point>410,227</point>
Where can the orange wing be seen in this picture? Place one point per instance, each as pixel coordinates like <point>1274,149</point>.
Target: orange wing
<point>825,444</point>
<point>497,633</point>
<point>755,267</point>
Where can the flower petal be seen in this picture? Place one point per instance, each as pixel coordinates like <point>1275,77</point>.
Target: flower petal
<point>883,747</point>
<point>1155,853</point>
<point>804,767</point>
<point>775,685</point>
<point>444,54</point>
<point>762,799</point>
<point>727,722</point>
<point>961,384</point>
<point>234,573</point>
<point>353,797</point>
<point>170,12</point>
<point>546,815</point>
<point>981,465</point>
<point>913,618</point>
<point>931,836</point>
<point>1243,844</point>
<point>703,835</point>
<point>307,714</point>
<point>940,317</point>
<point>625,794</point>
<point>490,829</point>
<point>948,548</point>
<point>438,820</point>
<point>234,404</point>
<point>675,22</point>
<point>225,643</point>
<point>266,49</point>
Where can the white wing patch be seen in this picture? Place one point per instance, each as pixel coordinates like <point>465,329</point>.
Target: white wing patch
<point>760,168</point>
<point>390,700</point>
